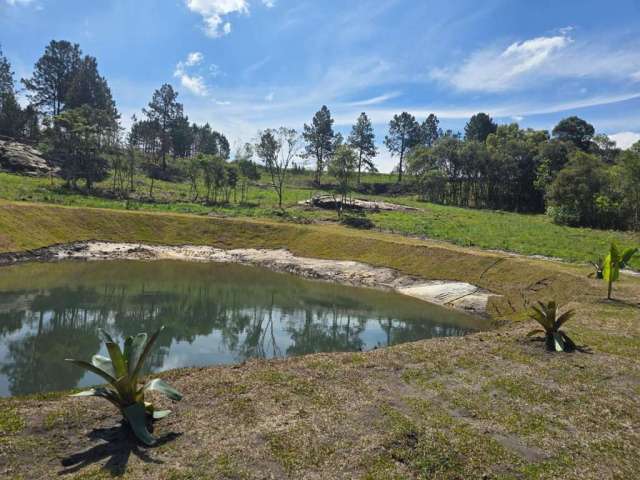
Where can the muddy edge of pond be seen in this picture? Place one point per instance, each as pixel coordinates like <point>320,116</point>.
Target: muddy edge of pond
<point>458,295</point>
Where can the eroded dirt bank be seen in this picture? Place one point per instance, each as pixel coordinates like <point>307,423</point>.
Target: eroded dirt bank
<point>458,295</point>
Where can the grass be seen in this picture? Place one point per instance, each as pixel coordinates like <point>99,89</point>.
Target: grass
<point>488,405</point>
<point>486,229</point>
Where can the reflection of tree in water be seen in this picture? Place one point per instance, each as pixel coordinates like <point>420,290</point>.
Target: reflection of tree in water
<point>325,331</point>
<point>63,328</point>
<point>250,316</point>
<point>409,331</point>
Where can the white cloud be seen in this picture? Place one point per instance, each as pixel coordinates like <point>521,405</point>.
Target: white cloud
<point>269,97</point>
<point>194,83</point>
<point>18,2</point>
<point>375,100</point>
<point>493,71</point>
<point>529,62</point>
<point>194,58</point>
<point>625,139</point>
<point>269,3</point>
<point>214,11</point>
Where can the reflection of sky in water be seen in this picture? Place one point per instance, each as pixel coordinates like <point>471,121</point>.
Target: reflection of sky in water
<point>212,315</point>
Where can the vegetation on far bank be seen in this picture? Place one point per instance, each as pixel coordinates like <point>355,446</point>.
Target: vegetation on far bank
<point>527,234</point>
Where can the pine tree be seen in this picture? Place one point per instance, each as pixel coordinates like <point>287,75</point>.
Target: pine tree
<point>361,140</point>
<point>320,139</point>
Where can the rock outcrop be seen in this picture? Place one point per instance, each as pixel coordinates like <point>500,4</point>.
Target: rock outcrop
<point>16,157</point>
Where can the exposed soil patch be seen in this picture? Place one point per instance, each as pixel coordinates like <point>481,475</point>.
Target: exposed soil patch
<point>458,295</point>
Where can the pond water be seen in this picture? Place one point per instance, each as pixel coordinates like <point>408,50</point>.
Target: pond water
<point>212,313</point>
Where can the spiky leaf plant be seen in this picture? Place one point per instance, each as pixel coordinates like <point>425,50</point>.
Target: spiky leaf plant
<point>613,263</point>
<point>598,267</point>
<point>121,372</point>
<point>547,316</point>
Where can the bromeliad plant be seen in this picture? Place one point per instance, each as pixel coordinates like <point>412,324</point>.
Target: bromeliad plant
<point>121,371</point>
<point>613,263</point>
<point>547,316</point>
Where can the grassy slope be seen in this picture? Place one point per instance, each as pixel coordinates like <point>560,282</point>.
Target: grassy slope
<point>490,405</point>
<point>525,234</point>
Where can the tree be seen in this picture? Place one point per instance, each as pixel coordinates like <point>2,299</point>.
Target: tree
<point>75,146</point>
<point>11,115</point>
<point>248,169</point>
<point>629,180</point>
<point>6,76</point>
<point>576,131</point>
<point>430,130</point>
<point>213,175</point>
<point>52,76</point>
<point>343,166</point>
<point>276,149</point>
<point>361,140</point>
<point>404,134</point>
<point>88,88</point>
<point>181,137</point>
<point>319,138</point>
<point>574,192</point>
<point>479,127</point>
<point>164,110</point>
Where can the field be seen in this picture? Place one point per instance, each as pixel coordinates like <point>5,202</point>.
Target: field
<point>486,229</point>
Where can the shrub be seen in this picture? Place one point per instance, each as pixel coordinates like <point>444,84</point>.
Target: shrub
<point>357,221</point>
<point>547,316</point>
<point>121,371</point>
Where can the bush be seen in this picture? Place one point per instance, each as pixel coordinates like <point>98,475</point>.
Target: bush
<point>564,215</point>
<point>356,221</point>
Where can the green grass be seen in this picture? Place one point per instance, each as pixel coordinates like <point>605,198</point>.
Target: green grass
<point>486,229</point>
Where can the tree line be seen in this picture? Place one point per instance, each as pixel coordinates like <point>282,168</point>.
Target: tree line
<point>577,176</point>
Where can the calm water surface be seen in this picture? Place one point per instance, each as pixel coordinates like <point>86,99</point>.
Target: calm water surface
<point>213,314</point>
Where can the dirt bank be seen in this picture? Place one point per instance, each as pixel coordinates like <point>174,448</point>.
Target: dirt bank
<point>458,295</point>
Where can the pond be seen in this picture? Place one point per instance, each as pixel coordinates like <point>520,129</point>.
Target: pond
<point>212,313</point>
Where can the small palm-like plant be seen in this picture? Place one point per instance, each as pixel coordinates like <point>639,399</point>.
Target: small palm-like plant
<point>598,267</point>
<point>121,371</point>
<point>547,316</point>
<point>613,263</point>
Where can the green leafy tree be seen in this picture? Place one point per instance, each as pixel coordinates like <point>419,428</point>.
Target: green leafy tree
<point>362,140</point>
<point>574,192</point>
<point>613,263</point>
<point>248,169</point>
<point>628,165</point>
<point>576,131</point>
<point>404,134</point>
<point>276,149</point>
<point>343,166</point>
<point>53,75</point>
<point>320,140</point>
<point>75,146</point>
<point>213,175</point>
<point>479,127</point>
<point>231,181</point>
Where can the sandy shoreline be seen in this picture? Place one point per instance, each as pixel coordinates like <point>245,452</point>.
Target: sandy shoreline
<point>458,295</point>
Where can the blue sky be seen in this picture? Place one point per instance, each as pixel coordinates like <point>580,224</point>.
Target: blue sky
<point>243,65</point>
